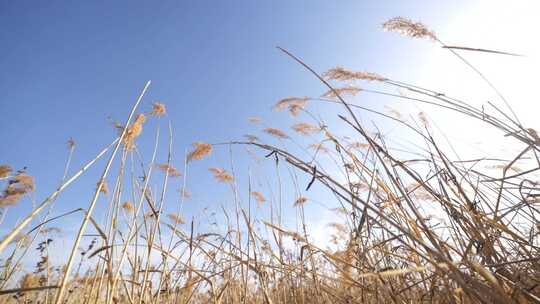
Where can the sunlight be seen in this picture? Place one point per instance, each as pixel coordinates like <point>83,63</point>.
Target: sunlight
<point>508,26</point>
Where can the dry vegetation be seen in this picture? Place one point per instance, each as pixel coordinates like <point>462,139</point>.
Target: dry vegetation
<point>478,242</point>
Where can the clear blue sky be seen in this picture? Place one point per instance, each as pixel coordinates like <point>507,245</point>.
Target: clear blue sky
<point>68,65</point>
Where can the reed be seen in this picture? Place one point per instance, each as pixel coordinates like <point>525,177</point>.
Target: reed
<point>412,225</point>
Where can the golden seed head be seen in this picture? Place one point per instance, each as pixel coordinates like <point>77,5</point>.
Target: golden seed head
<point>29,280</point>
<point>158,109</point>
<point>128,206</point>
<point>170,170</point>
<point>201,150</point>
<point>340,73</point>
<point>18,186</point>
<point>294,104</point>
<point>258,196</point>
<point>408,28</point>
<point>305,128</point>
<point>349,90</point>
<point>102,186</point>
<point>300,201</point>
<point>276,132</point>
<point>133,131</point>
<point>5,171</point>
<point>221,175</point>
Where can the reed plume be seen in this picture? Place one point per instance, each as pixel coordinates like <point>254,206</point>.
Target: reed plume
<point>201,150</point>
<point>158,109</point>
<point>221,175</point>
<point>340,73</point>
<point>276,132</point>
<point>409,28</point>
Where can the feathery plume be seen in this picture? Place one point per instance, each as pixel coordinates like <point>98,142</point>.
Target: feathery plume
<point>300,201</point>
<point>408,28</point>
<point>305,128</point>
<point>17,187</point>
<point>102,186</point>
<point>133,131</point>
<point>202,149</point>
<point>221,175</point>
<point>158,109</point>
<point>288,101</point>
<point>393,112</point>
<point>295,110</point>
<point>340,73</point>
<point>23,182</point>
<point>349,90</point>
<point>170,170</point>
<point>258,196</point>
<point>29,280</point>
<point>5,171</point>
<point>9,200</point>
<point>276,132</point>
<point>293,104</point>
<point>128,206</point>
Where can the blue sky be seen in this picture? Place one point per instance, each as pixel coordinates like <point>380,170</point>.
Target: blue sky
<point>68,65</point>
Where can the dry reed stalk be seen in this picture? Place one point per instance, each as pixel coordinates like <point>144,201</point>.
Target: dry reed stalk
<point>481,246</point>
<point>60,293</point>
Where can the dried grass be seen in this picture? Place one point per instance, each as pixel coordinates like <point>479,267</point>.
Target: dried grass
<point>305,128</point>
<point>201,150</point>
<point>408,28</point>
<point>258,196</point>
<point>221,175</point>
<point>340,73</point>
<point>170,170</point>
<point>158,109</point>
<point>17,187</point>
<point>414,226</point>
<point>276,133</point>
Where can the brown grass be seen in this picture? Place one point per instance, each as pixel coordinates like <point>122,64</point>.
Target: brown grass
<point>416,226</point>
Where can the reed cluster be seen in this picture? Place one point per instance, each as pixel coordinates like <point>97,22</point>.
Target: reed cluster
<point>416,226</point>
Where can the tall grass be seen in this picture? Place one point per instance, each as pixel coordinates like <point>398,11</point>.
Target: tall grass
<point>434,227</point>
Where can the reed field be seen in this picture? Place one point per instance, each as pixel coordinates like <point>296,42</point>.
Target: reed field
<point>422,225</point>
